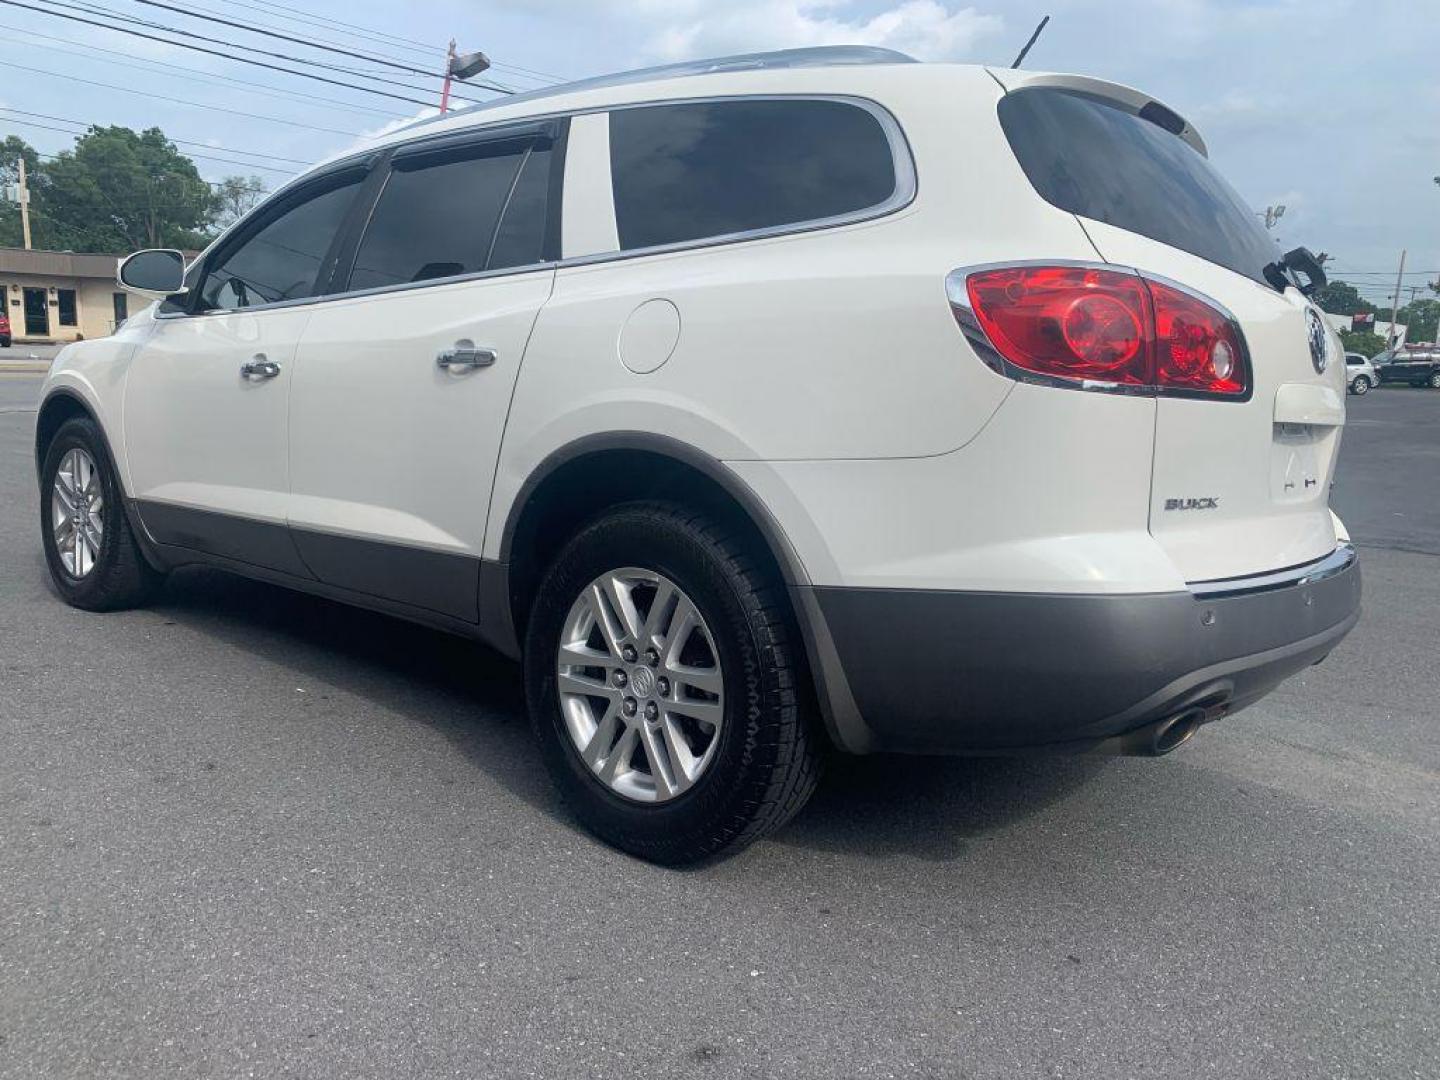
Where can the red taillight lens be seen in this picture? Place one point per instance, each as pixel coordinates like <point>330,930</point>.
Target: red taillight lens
<point>1072,322</point>
<point>1196,347</point>
<point>1090,325</point>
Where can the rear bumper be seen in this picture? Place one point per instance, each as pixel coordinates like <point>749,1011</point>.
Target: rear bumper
<point>969,672</point>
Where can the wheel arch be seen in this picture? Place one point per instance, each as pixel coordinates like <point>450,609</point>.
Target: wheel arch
<point>579,480</point>
<point>574,483</point>
<point>60,405</point>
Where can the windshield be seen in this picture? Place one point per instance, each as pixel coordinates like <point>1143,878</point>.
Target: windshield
<point>1092,158</point>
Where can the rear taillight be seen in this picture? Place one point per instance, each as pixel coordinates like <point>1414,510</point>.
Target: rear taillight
<point>1100,328</point>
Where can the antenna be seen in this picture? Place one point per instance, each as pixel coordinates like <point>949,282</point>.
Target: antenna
<point>1021,58</point>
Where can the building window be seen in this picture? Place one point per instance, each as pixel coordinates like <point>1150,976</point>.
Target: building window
<point>122,307</point>
<point>67,307</point>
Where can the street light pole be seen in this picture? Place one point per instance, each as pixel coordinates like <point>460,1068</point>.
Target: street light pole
<point>1395,305</point>
<point>449,74</point>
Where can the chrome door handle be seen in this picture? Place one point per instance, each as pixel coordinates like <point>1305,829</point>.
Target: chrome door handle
<point>259,368</point>
<point>464,356</point>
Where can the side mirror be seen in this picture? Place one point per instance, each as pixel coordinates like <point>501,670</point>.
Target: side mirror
<point>157,273</point>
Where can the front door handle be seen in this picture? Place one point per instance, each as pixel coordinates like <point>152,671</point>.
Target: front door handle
<point>464,356</point>
<point>259,368</point>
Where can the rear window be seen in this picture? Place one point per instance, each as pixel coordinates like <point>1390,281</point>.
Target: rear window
<point>698,170</point>
<point>1094,159</point>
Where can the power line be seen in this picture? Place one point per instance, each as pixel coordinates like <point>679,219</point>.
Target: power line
<point>200,157</point>
<point>278,35</point>
<point>95,9</point>
<point>182,101</point>
<point>185,142</point>
<point>215,52</point>
<point>1385,273</point>
<point>264,88</point>
<point>384,37</point>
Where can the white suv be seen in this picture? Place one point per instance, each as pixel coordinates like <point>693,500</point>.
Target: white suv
<point>799,399</point>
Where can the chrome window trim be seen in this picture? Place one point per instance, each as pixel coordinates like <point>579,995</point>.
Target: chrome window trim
<point>1337,562</point>
<point>907,186</point>
<point>902,162</point>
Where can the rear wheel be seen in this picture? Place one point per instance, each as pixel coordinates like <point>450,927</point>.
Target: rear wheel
<point>664,685</point>
<point>89,548</point>
<point>1360,385</point>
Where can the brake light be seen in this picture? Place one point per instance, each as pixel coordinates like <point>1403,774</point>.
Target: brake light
<point>1100,328</point>
<point>1197,347</point>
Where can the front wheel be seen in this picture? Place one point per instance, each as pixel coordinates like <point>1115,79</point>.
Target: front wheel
<point>93,557</point>
<point>665,686</point>
<point>1435,381</point>
<point>1360,385</point>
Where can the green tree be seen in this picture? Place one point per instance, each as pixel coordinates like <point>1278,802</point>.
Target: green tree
<point>118,190</point>
<point>1363,342</point>
<point>12,149</point>
<point>1340,298</point>
<point>236,196</point>
<point>1421,318</point>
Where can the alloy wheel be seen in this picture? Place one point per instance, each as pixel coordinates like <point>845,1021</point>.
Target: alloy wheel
<point>77,504</point>
<point>640,686</point>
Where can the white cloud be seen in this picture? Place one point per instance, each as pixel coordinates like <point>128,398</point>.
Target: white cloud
<point>926,29</point>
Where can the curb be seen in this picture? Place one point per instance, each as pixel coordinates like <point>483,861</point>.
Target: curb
<point>24,367</point>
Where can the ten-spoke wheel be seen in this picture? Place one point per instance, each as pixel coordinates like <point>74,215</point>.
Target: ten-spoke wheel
<point>640,684</point>
<point>94,560</point>
<point>77,506</point>
<point>664,683</point>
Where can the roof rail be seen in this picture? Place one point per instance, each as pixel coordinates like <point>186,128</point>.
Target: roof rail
<point>818,56</point>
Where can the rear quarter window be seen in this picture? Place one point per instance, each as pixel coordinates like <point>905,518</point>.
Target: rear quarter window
<point>1095,159</point>
<point>699,170</point>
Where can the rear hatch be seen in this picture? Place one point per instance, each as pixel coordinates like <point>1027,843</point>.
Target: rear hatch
<point>1239,485</point>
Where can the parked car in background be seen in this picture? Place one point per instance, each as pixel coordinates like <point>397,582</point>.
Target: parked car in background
<point>1418,365</point>
<point>1360,373</point>
<point>756,404</point>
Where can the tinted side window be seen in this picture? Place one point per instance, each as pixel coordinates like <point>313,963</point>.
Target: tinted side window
<point>691,171</point>
<point>441,218</point>
<point>520,239</point>
<point>282,260</point>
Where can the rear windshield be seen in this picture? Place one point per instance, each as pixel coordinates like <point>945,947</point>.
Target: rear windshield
<point>1094,159</point>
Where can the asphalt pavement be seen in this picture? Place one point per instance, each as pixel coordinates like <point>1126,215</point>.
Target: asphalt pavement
<point>250,833</point>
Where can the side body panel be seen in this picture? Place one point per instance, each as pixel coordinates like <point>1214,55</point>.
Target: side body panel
<point>200,436</point>
<point>392,457</point>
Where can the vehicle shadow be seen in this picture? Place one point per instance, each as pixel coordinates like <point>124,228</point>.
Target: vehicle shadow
<point>887,805</point>
<point>930,808</point>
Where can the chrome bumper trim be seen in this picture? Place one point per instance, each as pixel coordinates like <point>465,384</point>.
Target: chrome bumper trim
<point>1337,562</point>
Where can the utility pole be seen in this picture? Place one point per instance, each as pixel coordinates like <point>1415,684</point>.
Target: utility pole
<point>1395,306</point>
<point>449,74</point>
<point>24,194</point>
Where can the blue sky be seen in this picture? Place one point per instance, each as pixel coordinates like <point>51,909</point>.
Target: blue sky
<point>1331,107</point>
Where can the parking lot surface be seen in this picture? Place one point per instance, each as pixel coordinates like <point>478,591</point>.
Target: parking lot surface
<point>250,833</point>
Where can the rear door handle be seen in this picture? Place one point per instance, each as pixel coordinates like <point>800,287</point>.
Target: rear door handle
<point>257,367</point>
<point>464,356</point>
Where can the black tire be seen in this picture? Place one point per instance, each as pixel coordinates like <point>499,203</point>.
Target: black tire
<point>121,578</point>
<point>768,761</point>
<point>1435,381</point>
<point>1360,385</point>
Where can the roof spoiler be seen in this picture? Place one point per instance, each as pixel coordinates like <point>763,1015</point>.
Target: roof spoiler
<point>1126,97</point>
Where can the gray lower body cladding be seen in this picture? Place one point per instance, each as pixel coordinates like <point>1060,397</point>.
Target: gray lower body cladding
<point>973,672</point>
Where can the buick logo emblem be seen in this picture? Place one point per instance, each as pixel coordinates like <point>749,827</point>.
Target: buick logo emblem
<point>1319,345</point>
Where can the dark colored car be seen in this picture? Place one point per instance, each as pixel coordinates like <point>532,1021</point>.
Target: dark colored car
<point>1418,366</point>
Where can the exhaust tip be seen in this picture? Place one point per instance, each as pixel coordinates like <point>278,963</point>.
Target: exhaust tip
<point>1176,732</point>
